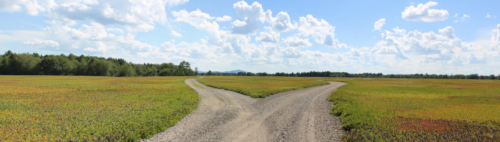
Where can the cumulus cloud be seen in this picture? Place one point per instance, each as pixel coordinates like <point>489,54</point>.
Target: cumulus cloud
<point>248,16</point>
<point>268,36</point>
<point>495,42</point>
<point>428,47</point>
<point>99,47</point>
<point>294,41</point>
<point>379,24</point>
<point>175,2</point>
<point>472,59</point>
<point>247,22</point>
<point>422,12</point>
<point>465,17</point>
<point>490,16</point>
<point>356,52</point>
<point>223,18</point>
<point>226,42</point>
<point>448,32</point>
<point>496,34</point>
<point>281,22</point>
<point>137,15</point>
<point>196,18</point>
<point>239,23</point>
<point>203,21</point>
<point>321,30</point>
<point>95,38</point>
<point>104,27</point>
<point>175,33</point>
<point>31,7</point>
<point>38,42</point>
<point>184,50</point>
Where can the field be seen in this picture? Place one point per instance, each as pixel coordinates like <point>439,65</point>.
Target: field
<point>77,108</point>
<point>418,109</point>
<point>259,87</point>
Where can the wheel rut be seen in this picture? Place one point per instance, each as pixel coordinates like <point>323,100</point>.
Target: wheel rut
<point>299,115</point>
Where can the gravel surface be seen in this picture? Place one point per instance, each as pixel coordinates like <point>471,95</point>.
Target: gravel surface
<point>300,115</point>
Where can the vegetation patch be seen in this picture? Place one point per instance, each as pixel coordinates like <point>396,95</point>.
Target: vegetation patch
<point>418,109</point>
<point>259,87</point>
<point>77,108</point>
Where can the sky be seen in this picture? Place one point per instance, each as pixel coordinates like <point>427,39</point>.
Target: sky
<point>390,37</point>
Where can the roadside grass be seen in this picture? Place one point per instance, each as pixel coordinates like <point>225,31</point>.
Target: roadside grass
<point>260,87</point>
<point>418,109</point>
<point>78,108</point>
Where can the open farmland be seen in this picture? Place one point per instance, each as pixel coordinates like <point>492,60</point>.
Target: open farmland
<point>260,87</point>
<point>69,108</point>
<point>418,109</point>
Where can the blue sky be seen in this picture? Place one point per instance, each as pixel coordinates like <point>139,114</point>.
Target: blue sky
<point>448,37</point>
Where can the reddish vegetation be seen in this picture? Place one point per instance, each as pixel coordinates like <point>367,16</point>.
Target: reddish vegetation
<point>427,125</point>
<point>411,129</point>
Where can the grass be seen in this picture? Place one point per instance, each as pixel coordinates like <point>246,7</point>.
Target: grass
<point>418,109</point>
<point>77,108</point>
<point>259,87</point>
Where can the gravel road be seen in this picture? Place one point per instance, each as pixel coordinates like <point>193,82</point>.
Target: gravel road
<point>300,115</point>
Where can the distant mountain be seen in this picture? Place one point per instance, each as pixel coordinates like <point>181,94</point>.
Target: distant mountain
<point>233,71</point>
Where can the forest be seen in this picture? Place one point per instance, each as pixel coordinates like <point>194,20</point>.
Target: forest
<point>36,64</point>
<point>356,75</point>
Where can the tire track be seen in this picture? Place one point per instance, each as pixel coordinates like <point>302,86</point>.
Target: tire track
<point>299,115</point>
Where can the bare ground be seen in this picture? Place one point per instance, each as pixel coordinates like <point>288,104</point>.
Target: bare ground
<point>300,115</point>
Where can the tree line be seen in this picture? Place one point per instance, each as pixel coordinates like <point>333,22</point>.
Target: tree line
<point>357,75</point>
<point>36,64</point>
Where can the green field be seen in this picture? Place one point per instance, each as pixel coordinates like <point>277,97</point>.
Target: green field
<point>260,87</point>
<point>418,109</point>
<point>77,108</point>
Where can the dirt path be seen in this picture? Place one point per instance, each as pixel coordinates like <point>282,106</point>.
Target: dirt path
<point>300,115</point>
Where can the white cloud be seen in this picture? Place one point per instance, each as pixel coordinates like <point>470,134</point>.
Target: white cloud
<point>294,41</point>
<point>95,38</point>
<point>38,42</point>
<point>448,32</point>
<point>281,22</point>
<point>268,36</point>
<point>423,13</point>
<point>465,17</point>
<point>223,18</point>
<point>239,23</point>
<point>203,21</point>
<point>184,50</point>
<point>31,7</point>
<point>104,27</point>
<point>21,35</point>
<point>197,19</point>
<point>135,15</point>
<point>99,47</point>
<point>496,34</point>
<point>249,14</point>
<point>175,33</point>
<point>472,59</point>
<point>456,15</point>
<point>321,30</point>
<point>425,48</point>
<point>236,45</point>
<point>378,24</point>
<point>495,39</point>
<point>490,16</point>
<point>356,52</point>
<point>175,2</point>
